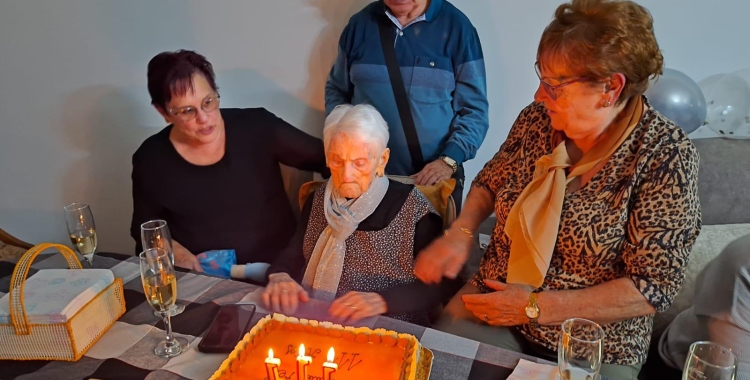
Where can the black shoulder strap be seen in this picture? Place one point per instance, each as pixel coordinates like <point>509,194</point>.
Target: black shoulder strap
<point>399,91</point>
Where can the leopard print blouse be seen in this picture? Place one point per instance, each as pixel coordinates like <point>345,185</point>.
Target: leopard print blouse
<point>638,217</point>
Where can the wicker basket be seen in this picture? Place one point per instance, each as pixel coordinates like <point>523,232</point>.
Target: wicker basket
<point>67,341</point>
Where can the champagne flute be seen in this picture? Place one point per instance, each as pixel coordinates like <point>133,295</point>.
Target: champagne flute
<point>81,229</point>
<point>160,289</point>
<point>155,234</point>
<point>709,361</point>
<point>579,352</point>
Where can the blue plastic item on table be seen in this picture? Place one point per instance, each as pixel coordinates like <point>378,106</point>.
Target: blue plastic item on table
<point>218,262</point>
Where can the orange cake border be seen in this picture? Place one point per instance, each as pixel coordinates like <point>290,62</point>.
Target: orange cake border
<point>277,321</point>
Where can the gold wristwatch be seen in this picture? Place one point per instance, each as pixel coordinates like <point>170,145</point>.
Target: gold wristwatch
<point>450,162</point>
<point>532,310</point>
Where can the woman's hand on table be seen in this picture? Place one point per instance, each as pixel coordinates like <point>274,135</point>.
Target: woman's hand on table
<point>354,306</point>
<point>184,258</point>
<point>444,257</point>
<point>506,306</point>
<point>283,294</point>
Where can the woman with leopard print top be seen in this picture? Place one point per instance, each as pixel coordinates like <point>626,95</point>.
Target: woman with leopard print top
<point>595,194</point>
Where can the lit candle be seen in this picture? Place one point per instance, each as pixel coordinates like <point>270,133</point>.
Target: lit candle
<point>302,363</point>
<point>272,366</point>
<point>329,367</point>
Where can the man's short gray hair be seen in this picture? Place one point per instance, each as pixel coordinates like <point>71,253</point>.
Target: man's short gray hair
<point>362,120</point>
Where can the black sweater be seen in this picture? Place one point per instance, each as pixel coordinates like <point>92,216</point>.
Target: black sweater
<point>416,296</point>
<point>237,203</point>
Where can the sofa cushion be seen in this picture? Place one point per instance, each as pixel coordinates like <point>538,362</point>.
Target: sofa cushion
<point>723,180</point>
<point>711,241</point>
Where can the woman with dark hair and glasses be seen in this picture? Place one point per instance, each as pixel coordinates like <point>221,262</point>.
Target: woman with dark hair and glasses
<point>595,195</point>
<point>213,174</point>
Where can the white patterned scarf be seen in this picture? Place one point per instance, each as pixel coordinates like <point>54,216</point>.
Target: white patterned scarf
<point>323,271</point>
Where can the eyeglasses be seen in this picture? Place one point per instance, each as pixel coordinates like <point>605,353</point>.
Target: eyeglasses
<point>552,90</point>
<point>188,113</point>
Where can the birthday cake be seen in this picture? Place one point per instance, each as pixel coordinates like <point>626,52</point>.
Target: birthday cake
<point>357,353</point>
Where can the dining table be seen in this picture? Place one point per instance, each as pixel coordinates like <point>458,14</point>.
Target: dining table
<point>125,351</point>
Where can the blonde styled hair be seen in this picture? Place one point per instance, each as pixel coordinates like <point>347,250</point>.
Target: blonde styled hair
<point>598,38</point>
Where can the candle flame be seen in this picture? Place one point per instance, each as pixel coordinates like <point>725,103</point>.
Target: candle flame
<point>331,355</point>
<point>270,353</point>
<point>302,350</point>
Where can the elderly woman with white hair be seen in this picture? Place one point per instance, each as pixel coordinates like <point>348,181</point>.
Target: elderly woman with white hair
<point>359,233</point>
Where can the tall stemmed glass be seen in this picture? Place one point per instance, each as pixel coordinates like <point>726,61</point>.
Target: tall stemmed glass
<point>579,352</point>
<point>155,234</point>
<point>81,229</point>
<point>160,288</point>
<point>709,361</point>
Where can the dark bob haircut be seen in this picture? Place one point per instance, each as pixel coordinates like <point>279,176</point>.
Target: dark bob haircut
<point>171,74</point>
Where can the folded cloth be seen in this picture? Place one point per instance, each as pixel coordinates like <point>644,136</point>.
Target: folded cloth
<point>526,370</point>
<point>56,295</point>
<point>218,262</point>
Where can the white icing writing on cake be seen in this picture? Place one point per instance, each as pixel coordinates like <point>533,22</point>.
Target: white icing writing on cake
<point>283,374</point>
<point>347,361</point>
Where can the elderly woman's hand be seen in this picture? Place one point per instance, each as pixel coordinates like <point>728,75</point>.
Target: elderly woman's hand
<point>443,257</point>
<point>354,306</point>
<point>506,306</point>
<point>283,294</point>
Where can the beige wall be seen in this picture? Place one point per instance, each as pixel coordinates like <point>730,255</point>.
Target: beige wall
<point>74,106</point>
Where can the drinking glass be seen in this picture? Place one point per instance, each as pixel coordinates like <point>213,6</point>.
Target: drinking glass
<point>709,361</point>
<point>155,234</point>
<point>579,352</point>
<point>160,289</point>
<point>81,229</point>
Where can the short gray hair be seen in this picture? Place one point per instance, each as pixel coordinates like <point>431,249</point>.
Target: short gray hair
<point>362,120</point>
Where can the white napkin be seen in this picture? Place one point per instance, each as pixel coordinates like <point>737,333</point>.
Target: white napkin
<point>526,370</point>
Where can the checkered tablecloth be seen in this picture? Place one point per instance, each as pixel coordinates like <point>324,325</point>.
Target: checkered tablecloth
<point>126,351</point>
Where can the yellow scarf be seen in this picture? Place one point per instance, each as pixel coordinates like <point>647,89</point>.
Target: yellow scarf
<point>534,219</point>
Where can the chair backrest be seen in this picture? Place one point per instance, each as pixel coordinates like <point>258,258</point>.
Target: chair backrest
<point>12,240</point>
<point>450,213</point>
<point>306,189</point>
<point>11,247</point>
<point>447,212</point>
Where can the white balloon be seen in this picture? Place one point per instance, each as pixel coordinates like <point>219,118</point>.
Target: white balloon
<point>707,84</point>
<point>728,106</point>
<point>744,131</point>
<point>744,74</point>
